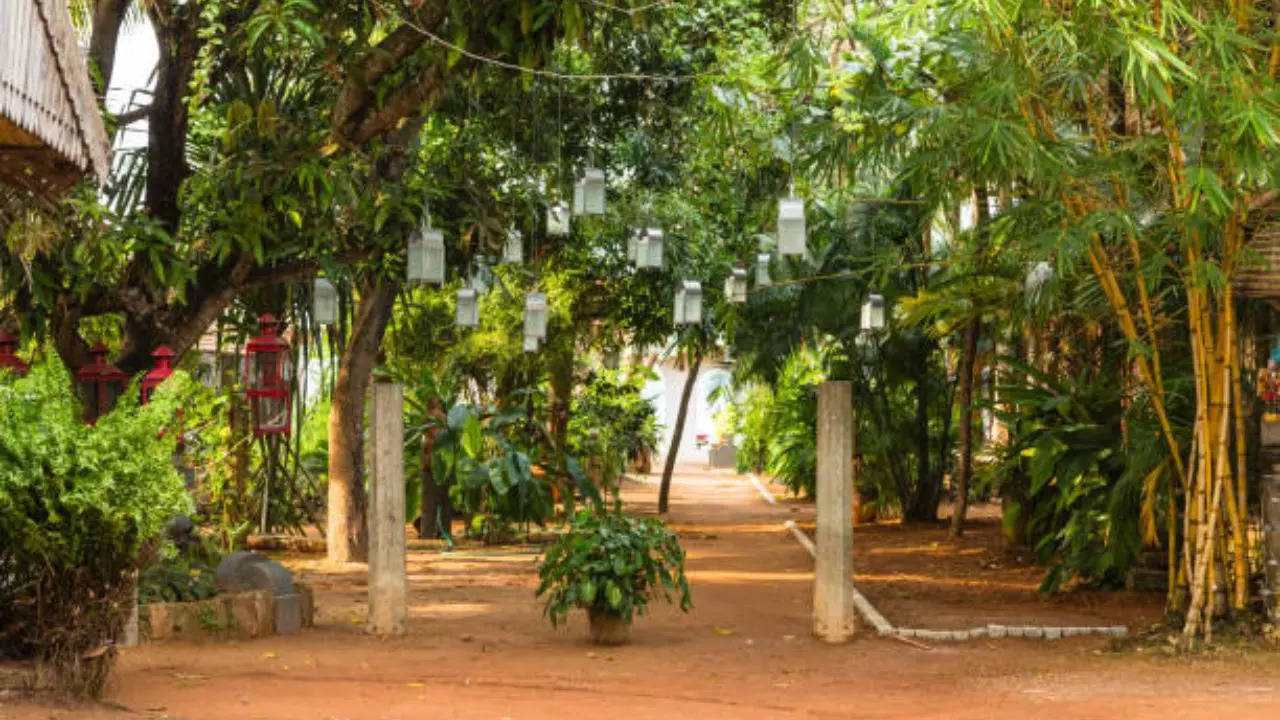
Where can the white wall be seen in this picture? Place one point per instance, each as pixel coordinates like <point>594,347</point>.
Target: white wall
<point>664,393</point>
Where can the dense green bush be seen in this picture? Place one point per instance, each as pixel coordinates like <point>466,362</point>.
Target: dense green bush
<point>81,508</point>
<point>612,563</point>
<point>610,421</point>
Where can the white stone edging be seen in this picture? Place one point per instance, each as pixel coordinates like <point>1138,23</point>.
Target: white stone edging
<point>992,630</point>
<point>760,488</point>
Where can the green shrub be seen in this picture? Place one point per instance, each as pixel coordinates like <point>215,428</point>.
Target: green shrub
<point>613,563</point>
<point>610,421</point>
<point>80,509</point>
<point>183,574</point>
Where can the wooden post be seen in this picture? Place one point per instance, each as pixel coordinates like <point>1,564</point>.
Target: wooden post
<point>388,583</point>
<point>833,612</point>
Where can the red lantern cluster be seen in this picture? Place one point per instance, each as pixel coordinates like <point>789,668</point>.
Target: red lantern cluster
<point>268,370</point>
<point>8,359</point>
<point>100,384</point>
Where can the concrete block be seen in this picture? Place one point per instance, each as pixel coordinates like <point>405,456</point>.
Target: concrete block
<point>288,614</point>
<point>1052,633</point>
<point>308,597</point>
<point>1016,631</point>
<point>997,631</point>
<point>1033,632</point>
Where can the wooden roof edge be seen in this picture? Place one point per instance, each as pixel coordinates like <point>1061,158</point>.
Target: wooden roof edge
<point>73,70</point>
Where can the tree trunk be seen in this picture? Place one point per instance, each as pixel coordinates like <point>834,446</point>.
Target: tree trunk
<point>348,536</point>
<point>436,512</point>
<point>965,438</point>
<point>664,494</point>
<point>926,485</point>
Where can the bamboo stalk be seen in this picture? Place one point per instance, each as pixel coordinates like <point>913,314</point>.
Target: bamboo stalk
<point>1205,545</point>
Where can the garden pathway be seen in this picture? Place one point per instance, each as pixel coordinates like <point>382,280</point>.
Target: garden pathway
<point>478,646</point>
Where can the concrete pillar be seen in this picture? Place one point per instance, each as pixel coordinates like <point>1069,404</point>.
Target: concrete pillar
<point>833,612</point>
<point>388,583</point>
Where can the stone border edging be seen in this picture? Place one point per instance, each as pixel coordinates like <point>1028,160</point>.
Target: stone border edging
<point>760,488</point>
<point>991,630</point>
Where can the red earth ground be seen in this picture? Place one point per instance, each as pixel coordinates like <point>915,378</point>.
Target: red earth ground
<point>479,647</point>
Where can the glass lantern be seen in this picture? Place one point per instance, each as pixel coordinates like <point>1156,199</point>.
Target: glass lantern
<point>649,249</point>
<point>873,313</point>
<point>762,270</point>
<point>535,316</point>
<point>688,306</point>
<point>9,359</point>
<point>162,371</point>
<point>791,227</point>
<point>588,192</point>
<point>468,314</point>
<point>735,286</point>
<point>513,249</point>
<point>268,370</point>
<point>1038,275</point>
<point>324,302</point>
<point>99,384</point>
<point>558,220</point>
<point>426,257</point>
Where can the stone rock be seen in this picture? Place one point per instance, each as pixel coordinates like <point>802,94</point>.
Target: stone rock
<point>229,572</point>
<point>268,575</point>
<point>252,613</point>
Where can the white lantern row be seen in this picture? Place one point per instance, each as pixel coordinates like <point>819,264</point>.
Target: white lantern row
<point>873,313</point>
<point>588,192</point>
<point>324,302</point>
<point>688,304</point>
<point>791,227</point>
<point>468,314</point>
<point>426,257</point>
<point>762,270</point>
<point>558,220</point>
<point>513,249</point>
<point>735,286</point>
<point>649,249</point>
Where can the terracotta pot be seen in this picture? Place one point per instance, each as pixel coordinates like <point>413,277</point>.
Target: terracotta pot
<point>608,627</point>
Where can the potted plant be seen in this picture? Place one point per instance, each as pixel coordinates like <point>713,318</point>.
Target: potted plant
<point>612,565</point>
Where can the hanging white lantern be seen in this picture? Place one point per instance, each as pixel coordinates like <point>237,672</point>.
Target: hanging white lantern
<point>535,316</point>
<point>513,250</point>
<point>426,257</point>
<point>688,306</point>
<point>558,220</point>
<point>649,251</point>
<point>735,286</point>
<point>873,313</point>
<point>588,193</point>
<point>324,302</point>
<point>481,278</point>
<point>791,228</point>
<point>530,344</point>
<point>1039,275</point>
<point>468,307</point>
<point>762,270</point>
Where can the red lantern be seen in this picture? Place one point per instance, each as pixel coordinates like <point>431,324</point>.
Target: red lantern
<point>100,384</point>
<point>162,371</point>
<point>8,360</point>
<point>268,369</point>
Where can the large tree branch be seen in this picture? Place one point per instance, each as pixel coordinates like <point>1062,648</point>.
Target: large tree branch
<point>108,15</point>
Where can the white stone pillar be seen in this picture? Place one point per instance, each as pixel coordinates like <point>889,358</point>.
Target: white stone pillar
<point>388,582</point>
<point>833,612</point>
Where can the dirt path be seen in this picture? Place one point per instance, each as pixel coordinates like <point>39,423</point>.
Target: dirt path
<point>478,646</point>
